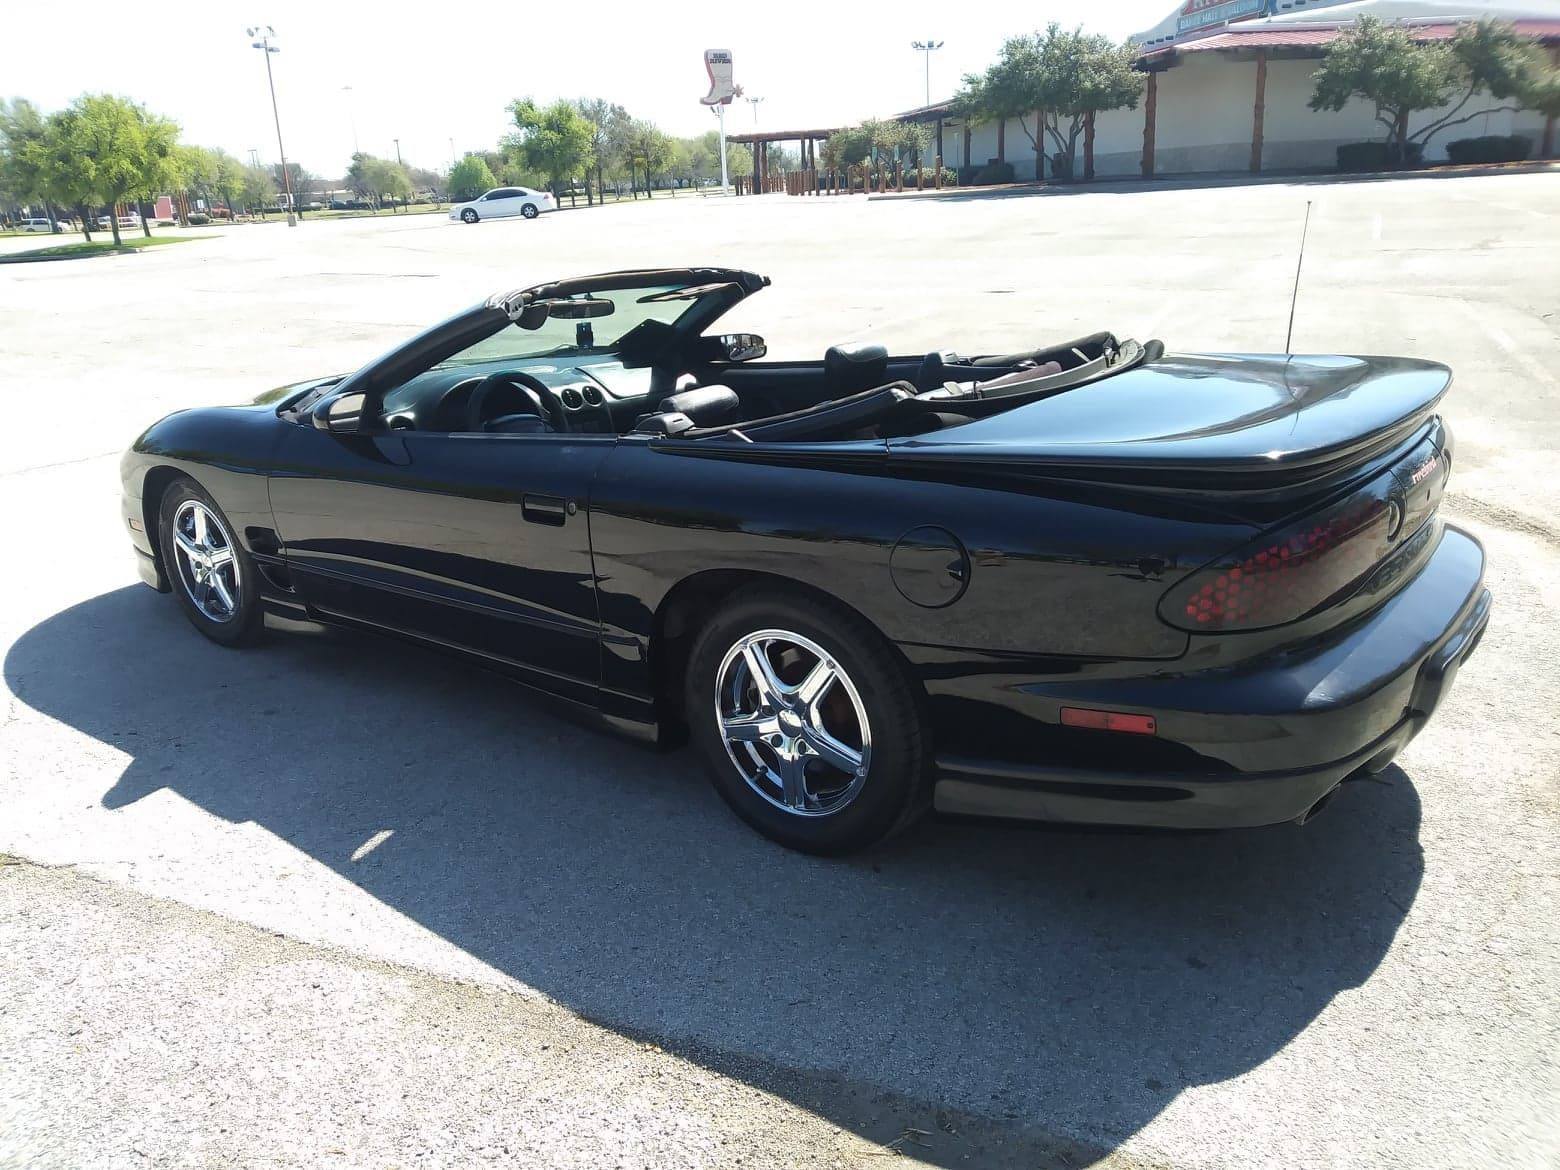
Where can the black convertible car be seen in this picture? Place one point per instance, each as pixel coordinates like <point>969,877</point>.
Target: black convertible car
<point>1089,582</point>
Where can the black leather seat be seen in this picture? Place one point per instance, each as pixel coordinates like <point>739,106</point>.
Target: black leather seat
<point>707,406</point>
<point>853,367</point>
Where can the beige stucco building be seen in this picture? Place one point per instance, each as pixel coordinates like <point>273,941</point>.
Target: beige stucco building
<point>1228,83</point>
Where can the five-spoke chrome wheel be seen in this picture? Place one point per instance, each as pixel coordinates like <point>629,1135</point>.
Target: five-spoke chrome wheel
<point>793,723</point>
<point>208,568</point>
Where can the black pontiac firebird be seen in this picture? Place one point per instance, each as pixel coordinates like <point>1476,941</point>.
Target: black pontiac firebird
<point>1089,582</point>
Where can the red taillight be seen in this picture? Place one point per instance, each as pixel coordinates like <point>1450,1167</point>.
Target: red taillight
<point>1107,720</point>
<point>1288,574</point>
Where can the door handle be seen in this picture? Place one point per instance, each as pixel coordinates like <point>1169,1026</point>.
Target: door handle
<point>538,509</point>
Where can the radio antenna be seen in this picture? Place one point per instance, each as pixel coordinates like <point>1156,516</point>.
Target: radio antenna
<point>1299,260</point>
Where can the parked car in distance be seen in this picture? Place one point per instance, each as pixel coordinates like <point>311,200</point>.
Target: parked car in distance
<point>1085,581</point>
<point>36,225</point>
<point>502,202</point>
<point>125,221</point>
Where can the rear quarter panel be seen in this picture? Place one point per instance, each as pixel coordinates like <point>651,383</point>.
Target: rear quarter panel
<point>1053,569</point>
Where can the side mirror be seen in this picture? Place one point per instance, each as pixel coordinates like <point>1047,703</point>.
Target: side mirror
<point>743,347</point>
<point>343,414</point>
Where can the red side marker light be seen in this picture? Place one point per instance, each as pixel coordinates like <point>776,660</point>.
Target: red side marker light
<point>1107,720</point>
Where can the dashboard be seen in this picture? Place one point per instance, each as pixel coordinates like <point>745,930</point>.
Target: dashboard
<point>591,395</point>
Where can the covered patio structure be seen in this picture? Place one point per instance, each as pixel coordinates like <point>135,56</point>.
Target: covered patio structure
<point>807,147</point>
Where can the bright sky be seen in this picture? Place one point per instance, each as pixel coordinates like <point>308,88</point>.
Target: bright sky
<point>446,70</point>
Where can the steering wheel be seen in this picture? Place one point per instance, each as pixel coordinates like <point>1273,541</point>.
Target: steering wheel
<point>535,393</point>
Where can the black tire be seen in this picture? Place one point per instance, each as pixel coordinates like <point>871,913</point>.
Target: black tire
<point>247,619</point>
<point>896,787</point>
<point>529,211</point>
<point>469,215</point>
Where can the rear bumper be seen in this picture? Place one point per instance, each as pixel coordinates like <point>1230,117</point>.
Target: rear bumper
<point>1253,744</point>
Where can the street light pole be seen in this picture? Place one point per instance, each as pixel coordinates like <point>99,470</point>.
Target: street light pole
<point>265,33</point>
<point>398,161</point>
<point>927,48</point>
<point>753,101</point>
<point>720,112</point>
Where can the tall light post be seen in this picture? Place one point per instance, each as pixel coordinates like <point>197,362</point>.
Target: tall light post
<point>753,101</point>
<point>397,142</point>
<point>719,110</point>
<point>265,32</point>
<point>926,48</point>
<point>452,154</point>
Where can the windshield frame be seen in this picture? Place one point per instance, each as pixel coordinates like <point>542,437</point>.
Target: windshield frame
<point>668,312</point>
<point>465,329</point>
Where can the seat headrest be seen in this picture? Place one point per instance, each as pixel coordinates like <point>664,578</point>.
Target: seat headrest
<point>856,365</point>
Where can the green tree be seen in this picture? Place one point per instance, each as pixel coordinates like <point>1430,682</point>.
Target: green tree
<point>1067,75</point>
<point>469,178</point>
<point>159,163</point>
<point>701,155</point>
<point>516,174</point>
<point>650,150</point>
<point>22,176</point>
<point>554,140</point>
<point>65,175</point>
<point>379,179</point>
<point>1383,64</point>
<point>1541,92</point>
<point>849,147</point>
<point>876,140</point>
<point>194,172</point>
<point>739,158</point>
<point>605,118</point>
<point>297,180</point>
<point>395,182</point>
<point>101,142</point>
<point>256,189</point>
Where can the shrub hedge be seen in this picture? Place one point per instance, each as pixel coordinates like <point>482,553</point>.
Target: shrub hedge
<point>1375,156</point>
<point>1491,148</point>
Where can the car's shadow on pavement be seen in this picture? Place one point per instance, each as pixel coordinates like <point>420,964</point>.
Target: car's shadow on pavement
<point>1004,984</point>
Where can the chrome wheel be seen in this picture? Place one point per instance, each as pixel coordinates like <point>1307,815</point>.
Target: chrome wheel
<point>208,566</point>
<point>468,216</point>
<point>793,723</point>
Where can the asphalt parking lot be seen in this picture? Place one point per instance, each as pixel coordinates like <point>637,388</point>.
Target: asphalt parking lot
<point>340,902</point>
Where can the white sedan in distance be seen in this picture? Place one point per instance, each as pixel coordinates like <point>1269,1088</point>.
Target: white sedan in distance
<point>505,201</point>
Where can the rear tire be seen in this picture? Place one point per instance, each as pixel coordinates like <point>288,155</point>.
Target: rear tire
<point>529,211</point>
<point>827,772</point>
<point>212,574</point>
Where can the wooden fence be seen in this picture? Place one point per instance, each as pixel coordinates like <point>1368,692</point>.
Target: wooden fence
<point>860,179</point>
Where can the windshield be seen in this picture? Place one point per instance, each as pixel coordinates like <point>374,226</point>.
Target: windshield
<point>594,330</point>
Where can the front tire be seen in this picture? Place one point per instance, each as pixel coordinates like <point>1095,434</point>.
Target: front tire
<point>468,216</point>
<point>807,722</point>
<point>213,575</point>
<point>529,211</point>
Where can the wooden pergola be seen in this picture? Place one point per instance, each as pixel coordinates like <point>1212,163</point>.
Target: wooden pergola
<point>806,142</point>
